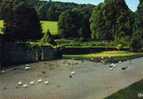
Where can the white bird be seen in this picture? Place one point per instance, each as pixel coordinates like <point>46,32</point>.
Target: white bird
<point>31,82</point>
<point>120,62</point>
<point>72,73</point>
<point>27,65</point>
<point>19,83</point>
<point>25,85</point>
<point>113,65</point>
<point>46,82</point>
<point>3,71</point>
<point>39,80</point>
<point>111,69</point>
<point>27,68</point>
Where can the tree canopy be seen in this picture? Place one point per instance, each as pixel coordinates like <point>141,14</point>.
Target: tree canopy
<point>111,20</point>
<point>75,23</point>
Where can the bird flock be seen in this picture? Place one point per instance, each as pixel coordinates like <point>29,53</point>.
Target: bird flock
<point>112,66</point>
<point>33,82</point>
<point>28,67</point>
<point>26,85</point>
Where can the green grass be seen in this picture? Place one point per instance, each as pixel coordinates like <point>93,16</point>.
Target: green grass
<point>131,92</point>
<point>106,54</point>
<point>1,25</point>
<point>51,25</point>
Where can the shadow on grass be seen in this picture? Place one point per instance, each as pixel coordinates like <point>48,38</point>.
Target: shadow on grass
<point>134,91</point>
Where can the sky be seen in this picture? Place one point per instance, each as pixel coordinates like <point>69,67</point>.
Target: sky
<point>132,4</point>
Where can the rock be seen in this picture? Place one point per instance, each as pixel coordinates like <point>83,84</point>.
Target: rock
<point>70,76</point>
<point>124,68</point>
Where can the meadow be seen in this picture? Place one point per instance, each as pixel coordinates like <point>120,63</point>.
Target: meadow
<point>46,25</point>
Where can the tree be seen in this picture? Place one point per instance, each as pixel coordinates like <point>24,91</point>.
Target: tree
<point>111,20</point>
<point>84,31</point>
<point>97,23</point>
<point>75,23</point>
<point>52,13</point>
<point>69,24</point>
<point>136,42</point>
<point>139,19</point>
<point>125,21</point>
<point>25,25</point>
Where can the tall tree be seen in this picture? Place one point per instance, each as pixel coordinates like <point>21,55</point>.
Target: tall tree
<point>25,24</point>
<point>75,23</point>
<point>98,23</point>
<point>139,18</point>
<point>86,11</point>
<point>69,24</point>
<point>112,20</point>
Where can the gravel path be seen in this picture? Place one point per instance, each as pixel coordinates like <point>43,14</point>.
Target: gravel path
<point>90,81</point>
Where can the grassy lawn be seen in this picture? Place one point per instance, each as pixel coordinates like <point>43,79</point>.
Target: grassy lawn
<point>51,25</point>
<point>106,54</point>
<point>131,92</point>
<point>1,25</point>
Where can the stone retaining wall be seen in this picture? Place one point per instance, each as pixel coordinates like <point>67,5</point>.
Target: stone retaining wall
<point>12,54</point>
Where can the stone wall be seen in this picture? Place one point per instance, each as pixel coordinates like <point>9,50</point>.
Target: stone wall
<point>13,53</point>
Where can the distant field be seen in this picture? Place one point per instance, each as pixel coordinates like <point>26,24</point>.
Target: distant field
<point>1,25</point>
<point>51,25</point>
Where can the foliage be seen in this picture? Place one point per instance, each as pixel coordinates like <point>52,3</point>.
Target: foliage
<point>84,31</point>
<point>25,24</point>
<point>136,42</point>
<point>139,19</point>
<point>111,20</point>
<point>97,23</point>
<point>75,23</point>
<point>69,24</point>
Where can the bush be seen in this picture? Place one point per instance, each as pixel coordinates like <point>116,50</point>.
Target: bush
<point>136,42</point>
